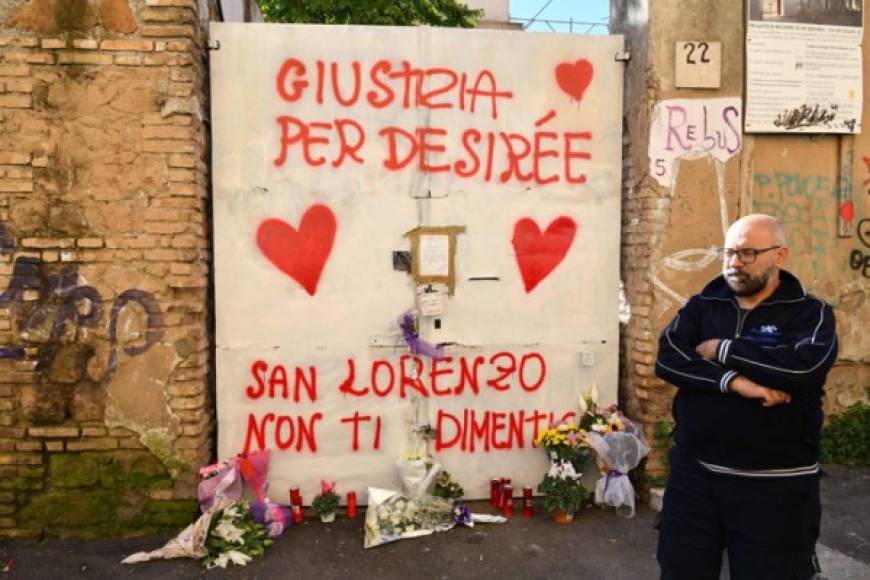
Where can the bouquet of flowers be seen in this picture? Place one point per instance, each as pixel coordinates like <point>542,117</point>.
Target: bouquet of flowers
<point>224,534</point>
<point>233,536</point>
<point>190,542</point>
<point>620,447</point>
<point>600,420</point>
<point>416,468</point>
<point>620,452</point>
<point>565,442</point>
<point>447,487</point>
<point>417,471</point>
<point>225,478</point>
<point>275,517</point>
<point>393,516</point>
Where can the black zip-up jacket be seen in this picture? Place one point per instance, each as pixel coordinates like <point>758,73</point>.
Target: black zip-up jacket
<point>788,342</point>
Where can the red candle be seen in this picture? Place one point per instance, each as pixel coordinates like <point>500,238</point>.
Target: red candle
<point>495,492</point>
<point>295,497</point>
<point>297,514</point>
<point>505,481</point>
<point>527,502</point>
<point>351,504</point>
<point>507,506</point>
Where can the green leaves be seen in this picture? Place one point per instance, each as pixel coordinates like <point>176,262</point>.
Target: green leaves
<point>234,530</point>
<point>450,13</point>
<point>562,494</point>
<point>325,503</point>
<point>447,487</point>
<point>846,439</point>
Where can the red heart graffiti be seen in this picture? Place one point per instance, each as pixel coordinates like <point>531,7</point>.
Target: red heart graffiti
<point>538,253</point>
<point>302,253</point>
<point>573,78</point>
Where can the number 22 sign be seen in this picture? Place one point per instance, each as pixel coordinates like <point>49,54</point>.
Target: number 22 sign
<point>698,64</point>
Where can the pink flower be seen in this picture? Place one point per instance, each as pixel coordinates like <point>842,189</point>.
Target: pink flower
<point>326,486</point>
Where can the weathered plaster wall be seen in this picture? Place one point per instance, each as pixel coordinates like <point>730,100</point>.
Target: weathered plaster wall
<point>667,230</point>
<point>104,355</point>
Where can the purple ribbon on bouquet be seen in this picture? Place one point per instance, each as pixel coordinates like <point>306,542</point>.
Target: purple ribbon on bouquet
<point>611,473</point>
<point>417,345</point>
<point>461,515</point>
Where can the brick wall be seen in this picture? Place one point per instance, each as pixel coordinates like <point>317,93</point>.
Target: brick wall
<point>659,222</point>
<point>105,406</point>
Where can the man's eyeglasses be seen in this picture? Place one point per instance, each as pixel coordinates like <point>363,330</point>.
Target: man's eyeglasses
<point>745,255</point>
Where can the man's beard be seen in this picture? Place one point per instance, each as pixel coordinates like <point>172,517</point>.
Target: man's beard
<point>746,284</point>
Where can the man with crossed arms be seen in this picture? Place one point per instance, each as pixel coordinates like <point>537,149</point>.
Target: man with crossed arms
<point>749,356</point>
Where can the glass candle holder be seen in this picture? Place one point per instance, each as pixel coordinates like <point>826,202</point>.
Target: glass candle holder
<point>527,502</point>
<point>507,506</point>
<point>351,504</point>
<point>298,517</point>
<point>495,492</point>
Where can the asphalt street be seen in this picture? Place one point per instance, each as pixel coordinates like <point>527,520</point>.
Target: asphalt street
<point>599,544</point>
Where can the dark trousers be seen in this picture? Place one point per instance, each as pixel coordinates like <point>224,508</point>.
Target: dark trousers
<point>768,526</point>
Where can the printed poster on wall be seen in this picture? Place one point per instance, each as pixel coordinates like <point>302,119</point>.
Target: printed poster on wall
<point>360,172</point>
<point>804,66</point>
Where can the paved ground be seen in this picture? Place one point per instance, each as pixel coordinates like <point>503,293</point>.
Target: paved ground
<point>598,545</point>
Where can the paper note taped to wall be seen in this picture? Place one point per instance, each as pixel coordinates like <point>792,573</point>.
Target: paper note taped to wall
<point>431,300</point>
<point>693,128</point>
<point>435,255</point>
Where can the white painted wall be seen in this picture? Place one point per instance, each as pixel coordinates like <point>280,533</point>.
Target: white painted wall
<point>263,314</point>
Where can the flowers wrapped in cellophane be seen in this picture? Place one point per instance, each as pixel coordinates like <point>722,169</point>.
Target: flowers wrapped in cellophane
<point>224,534</point>
<point>190,543</point>
<point>417,472</point>
<point>620,447</point>
<point>416,468</point>
<point>619,452</point>
<point>234,537</point>
<point>226,477</point>
<point>393,516</point>
<point>276,518</point>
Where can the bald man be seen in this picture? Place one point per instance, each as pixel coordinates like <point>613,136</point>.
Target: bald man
<point>749,356</point>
